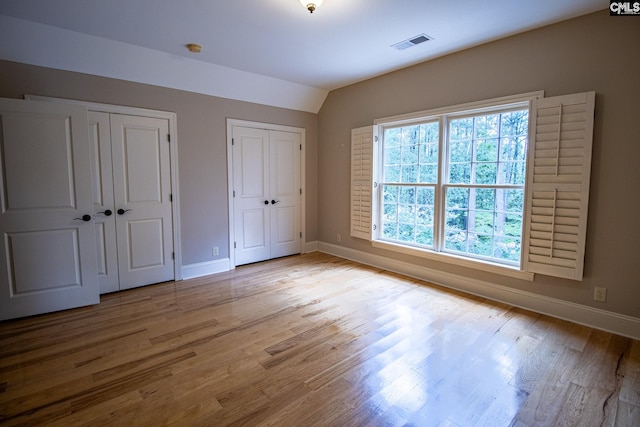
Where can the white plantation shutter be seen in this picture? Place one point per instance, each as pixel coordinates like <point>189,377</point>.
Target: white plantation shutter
<point>362,155</point>
<point>559,169</point>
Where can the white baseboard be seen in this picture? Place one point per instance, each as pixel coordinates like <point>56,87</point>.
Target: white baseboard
<point>310,247</point>
<point>596,318</point>
<point>205,268</point>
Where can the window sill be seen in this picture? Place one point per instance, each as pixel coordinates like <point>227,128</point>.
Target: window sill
<point>502,270</point>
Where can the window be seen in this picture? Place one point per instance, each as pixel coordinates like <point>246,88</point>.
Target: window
<point>470,200</point>
<point>469,185</point>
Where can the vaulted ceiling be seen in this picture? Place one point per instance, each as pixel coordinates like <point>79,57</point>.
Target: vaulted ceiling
<point>275,45</point>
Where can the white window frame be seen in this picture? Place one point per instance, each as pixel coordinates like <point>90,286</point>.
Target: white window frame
<point>462,110</point>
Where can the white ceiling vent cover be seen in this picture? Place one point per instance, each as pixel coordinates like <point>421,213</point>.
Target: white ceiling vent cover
<point>420,38</point>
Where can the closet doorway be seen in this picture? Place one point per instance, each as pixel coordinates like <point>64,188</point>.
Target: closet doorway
<point>266,194</point>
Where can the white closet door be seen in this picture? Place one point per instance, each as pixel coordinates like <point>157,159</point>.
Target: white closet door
<point>48,248</point>
<point>267,199</point>
<point>142,191</point>
<point>284,167</point>
<point>251,195</point>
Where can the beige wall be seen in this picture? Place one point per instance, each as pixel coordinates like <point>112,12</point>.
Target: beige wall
<point>595,52</point>
<point>202,143</point>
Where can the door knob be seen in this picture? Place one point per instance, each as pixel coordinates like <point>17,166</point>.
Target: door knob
<point>266,202</point>
<point>105,212</point>
<point>85,218</point>
<point>123,211</point>
<point>273,202</point>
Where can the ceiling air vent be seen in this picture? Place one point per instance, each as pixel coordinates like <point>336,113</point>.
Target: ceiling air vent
<point>420,38</point>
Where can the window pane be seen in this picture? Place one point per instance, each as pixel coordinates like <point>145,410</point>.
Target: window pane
<point>455,241</point>
<point>507,249</point>
<point>425,196</point>
<point>485,173</point>
<point>429,152</point>
<point>481,222</point>
<point>456,219</point>
<point>430,132</point>
<point>428,173</point>
<point>515,123</point>
<point>460,151</point>
<point>512,173</point>
<point>390,212</point>
<point>484,198</point>
<point>408,214</point>
<point>392,137</point>
<point>511,200</point>
<point>487,126</point>
<point>390,194</point>
<point>461,129</point>
<point>424,235</point>
<point>407,195</point>
<point>392,173</point>
<point>390,230</point>
<point>410,153</point>
<point>484,222</point>
<point>392,155</point>
<point>457,198</point>
<point>460,174</point>
<point>409,173</point>
<point>513,148</point>
<point>480,244</point>
<point>486,150</point>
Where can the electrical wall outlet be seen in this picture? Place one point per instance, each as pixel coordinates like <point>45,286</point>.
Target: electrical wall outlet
<point>215,251</point>
<point>600,294</point>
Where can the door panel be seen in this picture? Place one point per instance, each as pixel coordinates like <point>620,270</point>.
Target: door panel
<point>142,193</point>
<point>145,238</point>
<point>40,172</point>
<point>47,251</point>
<point>251,183</point>
<point>285,191</point>
<point>58,258</point>
<point>105,221</point>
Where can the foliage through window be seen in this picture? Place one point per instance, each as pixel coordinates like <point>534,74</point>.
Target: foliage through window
<point>455,183</point>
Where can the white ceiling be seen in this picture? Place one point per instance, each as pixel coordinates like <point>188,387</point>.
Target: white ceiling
<point>343,42</point>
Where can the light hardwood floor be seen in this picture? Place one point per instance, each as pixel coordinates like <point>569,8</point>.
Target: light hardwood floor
<point>312,340</point>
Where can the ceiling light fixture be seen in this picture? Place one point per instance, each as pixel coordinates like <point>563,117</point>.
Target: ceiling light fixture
<point>311,6</point>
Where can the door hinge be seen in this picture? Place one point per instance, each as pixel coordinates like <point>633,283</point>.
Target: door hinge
<point>301,191</point>
<point>171,197</point>
<point>173,255</point>
<point>169,137</point>
<point>300,147</point>
<point>234,193</point>
<point>301,234</point>
<point>234,245</point>
<point>233,141</point>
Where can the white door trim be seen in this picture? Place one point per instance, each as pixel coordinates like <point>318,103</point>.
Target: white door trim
<point>267,126</point>
<point>173,154</point>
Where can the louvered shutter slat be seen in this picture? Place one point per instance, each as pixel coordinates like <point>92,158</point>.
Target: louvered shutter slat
<point>361,182</point>
<point>558,185</point>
